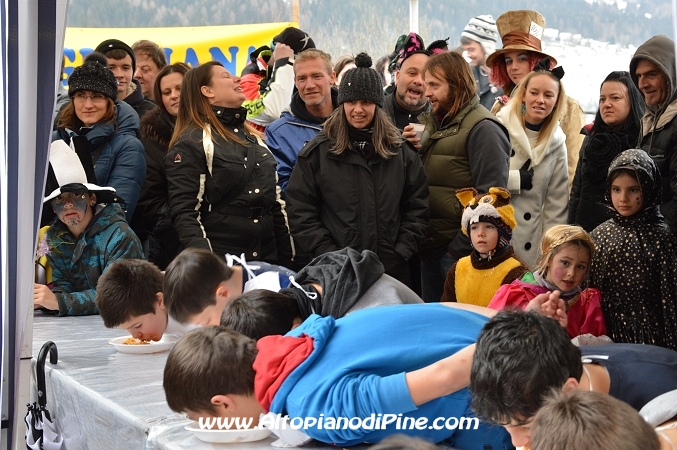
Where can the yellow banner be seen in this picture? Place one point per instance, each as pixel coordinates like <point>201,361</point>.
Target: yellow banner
<point>228,44</point>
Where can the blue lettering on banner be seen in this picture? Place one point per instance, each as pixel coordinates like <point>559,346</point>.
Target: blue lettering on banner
<point>191,58</point>
<point>217,55</point>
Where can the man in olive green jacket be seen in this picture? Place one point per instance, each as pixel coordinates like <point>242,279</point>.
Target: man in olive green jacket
<point>463,146</point>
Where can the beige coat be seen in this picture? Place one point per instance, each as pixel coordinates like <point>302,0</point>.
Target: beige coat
<point>547,202</point>
<point>571,121</point>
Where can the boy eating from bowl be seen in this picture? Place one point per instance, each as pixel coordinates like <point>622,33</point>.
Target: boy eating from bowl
<point>129,296</point>
<point>198,284</point>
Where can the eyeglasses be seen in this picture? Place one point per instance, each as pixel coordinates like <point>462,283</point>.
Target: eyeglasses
<point>82,97</point>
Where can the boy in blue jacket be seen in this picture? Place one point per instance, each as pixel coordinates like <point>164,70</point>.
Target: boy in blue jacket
<point>376,372</point>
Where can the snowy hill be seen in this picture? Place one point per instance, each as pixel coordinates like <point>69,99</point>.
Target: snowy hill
<point>586,63</point>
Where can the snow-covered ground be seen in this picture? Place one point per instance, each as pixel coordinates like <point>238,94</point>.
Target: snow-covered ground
<point>586,64</point>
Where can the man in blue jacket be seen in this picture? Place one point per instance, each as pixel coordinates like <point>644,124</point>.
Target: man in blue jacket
<point>310,106</point>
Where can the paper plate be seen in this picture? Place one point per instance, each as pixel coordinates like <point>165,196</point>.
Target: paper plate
<point>228,436</point>
<point>162,345</point>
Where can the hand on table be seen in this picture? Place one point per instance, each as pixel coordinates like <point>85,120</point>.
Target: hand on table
<point>43,297</point>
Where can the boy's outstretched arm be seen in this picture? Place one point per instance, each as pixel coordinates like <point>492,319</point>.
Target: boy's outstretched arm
<point>452,373</point>
<point>441,378</point>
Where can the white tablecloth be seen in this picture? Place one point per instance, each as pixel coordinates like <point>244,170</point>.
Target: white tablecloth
<point>103,399</point>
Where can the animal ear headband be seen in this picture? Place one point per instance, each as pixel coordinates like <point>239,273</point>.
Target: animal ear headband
<point>544,66</point>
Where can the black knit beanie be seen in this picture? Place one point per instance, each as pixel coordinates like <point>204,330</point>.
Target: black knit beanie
<point>297,39</point>
<point>361,83</point>
<point>113,44</point>
<point>92,76</point>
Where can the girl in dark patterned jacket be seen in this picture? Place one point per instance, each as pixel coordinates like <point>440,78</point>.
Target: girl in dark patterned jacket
<point>615,129</point>
<point>635,267</point>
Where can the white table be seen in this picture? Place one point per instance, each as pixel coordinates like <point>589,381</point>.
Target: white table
<point>103,399</point>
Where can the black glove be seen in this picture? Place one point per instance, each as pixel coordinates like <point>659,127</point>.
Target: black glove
<point>526,176</point>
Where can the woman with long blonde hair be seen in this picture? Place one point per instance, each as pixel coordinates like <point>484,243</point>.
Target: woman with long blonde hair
<point>537,178</point>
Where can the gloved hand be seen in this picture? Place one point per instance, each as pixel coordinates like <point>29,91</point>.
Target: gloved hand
<point>526,176</point>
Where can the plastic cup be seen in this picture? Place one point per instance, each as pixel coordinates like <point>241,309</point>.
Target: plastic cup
<point>418,128</point>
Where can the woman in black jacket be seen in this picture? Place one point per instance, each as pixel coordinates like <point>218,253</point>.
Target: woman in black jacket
<point>222,179</point>
<point>151,220</point>
<point>614,130</point>
<point>357,183</point>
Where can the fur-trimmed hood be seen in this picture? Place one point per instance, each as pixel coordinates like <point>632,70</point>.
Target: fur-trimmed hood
<point>158,125</point>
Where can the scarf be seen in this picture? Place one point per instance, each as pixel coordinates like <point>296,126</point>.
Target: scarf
<point>569,297</point>
<point>361,140</point>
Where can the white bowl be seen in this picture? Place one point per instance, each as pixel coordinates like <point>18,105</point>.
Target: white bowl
<point>162,345</point>
<point>228,436</point>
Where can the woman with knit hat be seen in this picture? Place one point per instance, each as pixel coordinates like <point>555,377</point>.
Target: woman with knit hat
<point>94,122</point>
<point>521,33</point>
<point>357,183</point>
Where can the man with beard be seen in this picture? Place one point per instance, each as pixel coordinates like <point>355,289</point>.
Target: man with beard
<point>408,100</point>
<point>405,98</point>
<point>310,106</point>
<point>463,146</point>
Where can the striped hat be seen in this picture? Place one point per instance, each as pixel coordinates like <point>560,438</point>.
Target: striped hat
<point>482,29</point>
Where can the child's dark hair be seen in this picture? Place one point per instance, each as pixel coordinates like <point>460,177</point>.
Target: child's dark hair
<point>260,313</point>
<point>191,280</point>
<point>206,362</point>
<point>128,288</point>
<point>519,357</point>
<point>618,172</point>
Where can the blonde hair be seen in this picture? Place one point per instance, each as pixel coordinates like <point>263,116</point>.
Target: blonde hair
<point>314,53</point>
<point>561,235</point>
<point>552,121</point>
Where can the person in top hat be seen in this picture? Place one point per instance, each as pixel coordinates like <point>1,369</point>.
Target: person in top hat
<point>89,234</point>
<point>478,40</point>
<point>122,62</point>
<point>522,33</point>
<point>268,78</point>
<point>98,124</point>
<point>488,219</point>
<point>357,183</point>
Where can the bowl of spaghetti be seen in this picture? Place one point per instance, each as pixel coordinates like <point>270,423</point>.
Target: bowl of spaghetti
<point>128,344</point>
